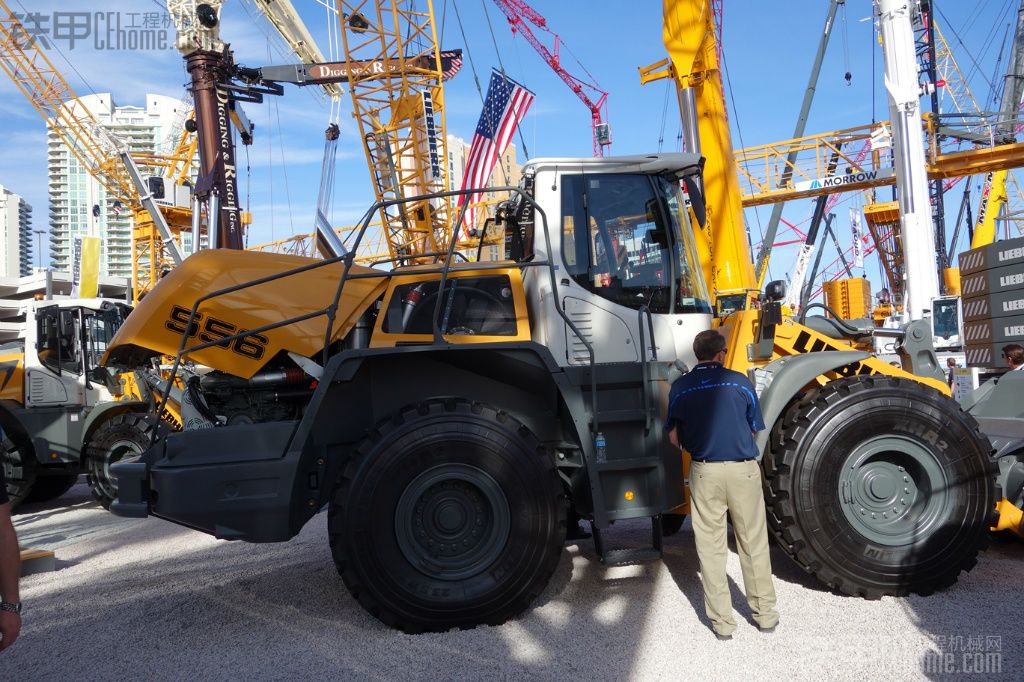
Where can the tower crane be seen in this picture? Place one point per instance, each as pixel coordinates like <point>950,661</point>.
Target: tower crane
<point>518,13</point>
<point>394,71</point>
<point>400,115</point>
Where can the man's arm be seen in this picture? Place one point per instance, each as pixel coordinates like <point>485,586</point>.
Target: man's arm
<point>10,569</point>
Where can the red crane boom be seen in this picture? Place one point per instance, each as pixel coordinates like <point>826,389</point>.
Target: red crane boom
<point>518,13</point>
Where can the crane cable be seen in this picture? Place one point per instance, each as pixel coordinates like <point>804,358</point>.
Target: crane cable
<point>501,65</point>
<point>739,134</point>
<point>664,117</point>
<point>848,75</point>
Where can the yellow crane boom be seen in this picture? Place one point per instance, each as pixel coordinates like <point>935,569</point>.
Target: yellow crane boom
<point>689,36</point>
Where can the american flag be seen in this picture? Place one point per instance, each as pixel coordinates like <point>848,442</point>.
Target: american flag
<point>451,62</point>
<point>506,104</point>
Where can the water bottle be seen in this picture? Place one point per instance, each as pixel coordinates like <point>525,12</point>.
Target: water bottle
<point>600,443</point>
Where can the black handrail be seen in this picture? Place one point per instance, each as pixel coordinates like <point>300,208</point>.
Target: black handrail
<point>645,374</point>
<point>348,260</point>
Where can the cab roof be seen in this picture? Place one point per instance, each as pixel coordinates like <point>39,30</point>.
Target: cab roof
<point>676,163</point>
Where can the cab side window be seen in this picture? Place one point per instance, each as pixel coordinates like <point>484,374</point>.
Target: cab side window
<point>471,306</point>
<point>58,345</point>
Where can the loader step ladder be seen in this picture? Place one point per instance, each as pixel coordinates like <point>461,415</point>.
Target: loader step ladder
<point>622,557</point>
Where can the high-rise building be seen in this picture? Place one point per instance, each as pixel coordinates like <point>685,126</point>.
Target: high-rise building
<point>152,129</point>
<point>15,235</point>
<point>507,172</point>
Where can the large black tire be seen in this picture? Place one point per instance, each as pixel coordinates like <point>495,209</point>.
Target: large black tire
<point>19,470</point>
<point>48,488</point>
<point>880,486</point>
<point>450,514</point>
<point>122,436</point>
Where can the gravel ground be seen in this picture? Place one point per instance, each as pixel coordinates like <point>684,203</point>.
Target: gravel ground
<point>145,599</point>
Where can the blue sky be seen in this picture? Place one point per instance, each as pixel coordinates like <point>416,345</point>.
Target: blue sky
<point>768,52</point>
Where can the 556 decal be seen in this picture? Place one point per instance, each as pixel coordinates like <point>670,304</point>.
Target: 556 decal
<point>209,329</point>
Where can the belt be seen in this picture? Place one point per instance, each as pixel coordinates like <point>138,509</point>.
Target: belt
<point>723,461</point>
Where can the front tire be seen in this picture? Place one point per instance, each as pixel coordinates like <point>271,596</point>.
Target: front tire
<point>122,436</point>
<point>880,486</point>
<point>450,515</point>
<point>19,470</point>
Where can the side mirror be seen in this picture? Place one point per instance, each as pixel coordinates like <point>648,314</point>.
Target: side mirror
<point>696,196</point>
<point>776,290</point>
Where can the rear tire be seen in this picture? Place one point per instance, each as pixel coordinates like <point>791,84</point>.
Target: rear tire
<point>19,470</point>
<point>48,488</point>
<point>880,486</point>
<point>451,514</point>
<point>120,437</point>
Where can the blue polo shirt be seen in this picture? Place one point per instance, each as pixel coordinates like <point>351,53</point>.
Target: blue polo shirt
<point>716,410</point>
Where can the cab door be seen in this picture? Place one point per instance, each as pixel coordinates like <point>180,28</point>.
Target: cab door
<point>616,247</point>
<point>56,376</point>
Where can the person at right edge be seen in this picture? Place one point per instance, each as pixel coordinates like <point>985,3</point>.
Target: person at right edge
<point>714,414</point>
<point>10,570</point>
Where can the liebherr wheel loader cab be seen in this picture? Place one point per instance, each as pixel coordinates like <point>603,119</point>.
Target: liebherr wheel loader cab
<point>450,414</point>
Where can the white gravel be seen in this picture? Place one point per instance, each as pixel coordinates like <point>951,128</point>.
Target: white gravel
<point>145,599</point>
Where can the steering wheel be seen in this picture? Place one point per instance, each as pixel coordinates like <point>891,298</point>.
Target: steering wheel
<point>425,308</point>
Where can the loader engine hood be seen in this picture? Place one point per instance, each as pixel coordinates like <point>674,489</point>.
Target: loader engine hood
<point>156,325</point>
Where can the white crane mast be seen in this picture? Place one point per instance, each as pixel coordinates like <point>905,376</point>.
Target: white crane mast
<point>901,82</point>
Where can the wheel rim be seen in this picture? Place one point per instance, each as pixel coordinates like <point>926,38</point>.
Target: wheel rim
<point>452,521</point>
<point>120,450</point>
<point>893,490</point>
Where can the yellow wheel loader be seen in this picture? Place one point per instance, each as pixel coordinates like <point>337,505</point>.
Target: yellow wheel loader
<point>61,414</point>
<point>450,414</point>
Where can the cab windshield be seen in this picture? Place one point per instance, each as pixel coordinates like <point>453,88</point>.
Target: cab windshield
<point>626,238</point>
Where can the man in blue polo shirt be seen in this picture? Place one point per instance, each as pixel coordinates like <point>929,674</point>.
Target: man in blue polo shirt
<point>713,413</point>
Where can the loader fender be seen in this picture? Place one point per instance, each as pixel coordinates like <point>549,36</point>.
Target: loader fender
<point>105,411</point>
<point>367,386</point>
<point>789,375</point>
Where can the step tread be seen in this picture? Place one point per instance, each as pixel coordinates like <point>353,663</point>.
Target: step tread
<point>619,557</point>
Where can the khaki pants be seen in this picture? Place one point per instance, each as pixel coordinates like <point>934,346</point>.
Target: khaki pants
<point>717,487</point>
